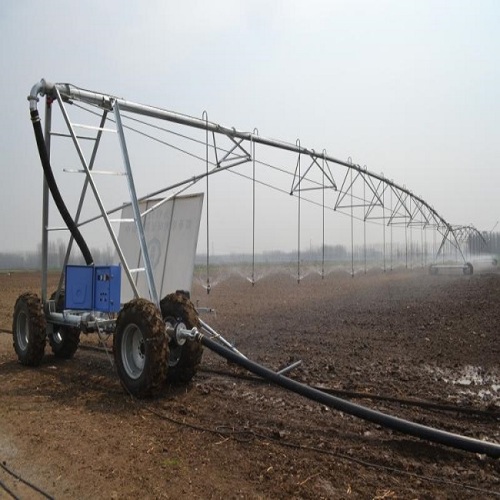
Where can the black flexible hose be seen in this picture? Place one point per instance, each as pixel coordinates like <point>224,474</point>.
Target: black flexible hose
<point>357,395</point>
<point>26,482</point>
<point>56,195</point>
<point>391,422</point>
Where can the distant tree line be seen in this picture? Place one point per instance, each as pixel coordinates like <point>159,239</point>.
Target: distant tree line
<point>331,253</point>
<point>56,254</point>
<point>486,243</point>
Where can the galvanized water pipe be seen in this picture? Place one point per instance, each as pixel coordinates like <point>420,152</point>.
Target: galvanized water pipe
<point>71,92</point>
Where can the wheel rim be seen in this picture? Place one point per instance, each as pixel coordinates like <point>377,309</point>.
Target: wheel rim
<point>174,355</point>
<point>133,351</point>
<point>57,338</point>
<point>22,331</point>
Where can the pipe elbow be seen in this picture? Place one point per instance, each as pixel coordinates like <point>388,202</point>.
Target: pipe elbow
<point>40,88</point>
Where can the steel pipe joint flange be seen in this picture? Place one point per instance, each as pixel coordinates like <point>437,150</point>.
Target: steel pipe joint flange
<point>179,333</point>
<point>182,333</point>
<point>180,336</point>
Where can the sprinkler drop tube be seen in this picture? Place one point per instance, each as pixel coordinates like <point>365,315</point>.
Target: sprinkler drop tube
<point>391,422</point>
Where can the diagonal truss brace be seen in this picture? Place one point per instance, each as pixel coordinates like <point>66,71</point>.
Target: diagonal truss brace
<point>231,159</point>
<point>326,171</point>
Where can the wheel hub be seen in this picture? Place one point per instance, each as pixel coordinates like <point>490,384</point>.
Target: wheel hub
<point>57,337</point>
<point>176,341</point>
<point>22,331</point>
<point>133,351</point>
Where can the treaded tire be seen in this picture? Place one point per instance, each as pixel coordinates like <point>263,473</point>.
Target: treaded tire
<point>64,340</point>
<point>185,359</point>
<point>468,269</point>
<point>140,348</point>
<point>29,329</point>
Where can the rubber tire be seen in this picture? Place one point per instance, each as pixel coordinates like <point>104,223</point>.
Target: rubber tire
<point>140,317</point>
<point>468,269</point>
<point>29,329</point>
<point>433,270</point>
<point>65,339</point>
<point>183,360</point>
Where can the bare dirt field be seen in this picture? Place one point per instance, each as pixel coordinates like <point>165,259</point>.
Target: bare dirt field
<point>383,340</point>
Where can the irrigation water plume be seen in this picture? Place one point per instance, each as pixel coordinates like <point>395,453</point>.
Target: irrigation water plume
<point>391,422</point>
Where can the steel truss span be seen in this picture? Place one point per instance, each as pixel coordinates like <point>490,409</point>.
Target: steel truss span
<point>310,176</point>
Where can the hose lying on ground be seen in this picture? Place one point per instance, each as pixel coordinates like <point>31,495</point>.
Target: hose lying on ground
<point>389,421</point>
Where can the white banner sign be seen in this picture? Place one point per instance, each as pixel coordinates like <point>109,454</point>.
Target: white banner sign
<point>171,231</point>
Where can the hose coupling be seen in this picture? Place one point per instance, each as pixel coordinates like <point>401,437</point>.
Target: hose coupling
<point>179,333</point>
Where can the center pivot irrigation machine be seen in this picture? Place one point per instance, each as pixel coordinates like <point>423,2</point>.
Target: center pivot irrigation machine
<point>143,300</point>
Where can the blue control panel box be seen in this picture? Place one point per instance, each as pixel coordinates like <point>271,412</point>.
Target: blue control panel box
<point>107,283</point>
<point>94,288</point>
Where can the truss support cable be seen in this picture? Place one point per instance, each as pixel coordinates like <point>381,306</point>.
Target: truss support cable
<point>298,217</point>
<point>383,225</point>
<point>422,246</point>
<point>207,161</point>
<point>406,244</point>
<point>352,229</point>
<point>253,207</point>
<point>323,224</point>
<point>411,246</point>
<point>364,225</point>
<point>391,234</point>
<point>425,243</point>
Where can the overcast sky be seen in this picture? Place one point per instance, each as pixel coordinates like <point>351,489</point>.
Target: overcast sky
<point>409,88</point>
